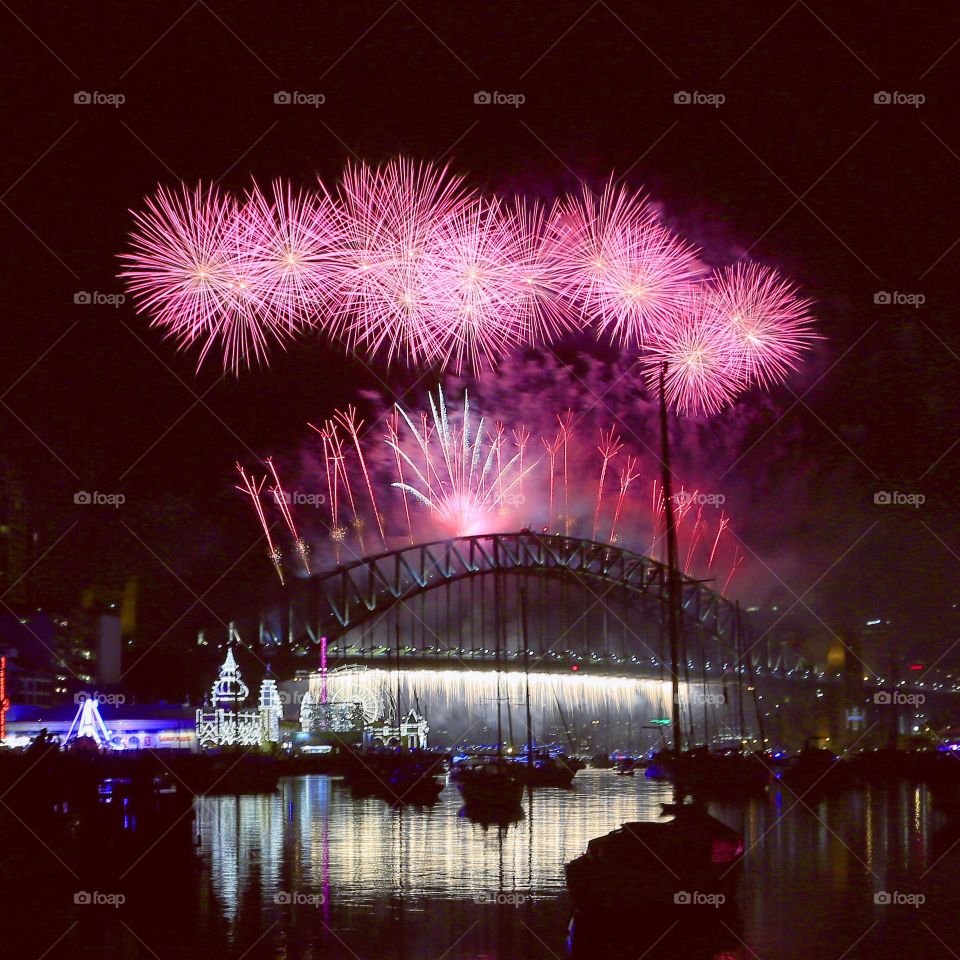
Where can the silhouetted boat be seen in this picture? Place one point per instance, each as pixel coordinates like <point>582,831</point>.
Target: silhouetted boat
<point>689,860</point>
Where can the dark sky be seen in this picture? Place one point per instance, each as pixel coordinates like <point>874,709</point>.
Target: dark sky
<point>799,165</point>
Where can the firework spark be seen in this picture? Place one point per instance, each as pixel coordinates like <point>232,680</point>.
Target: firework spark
<point>391,221</point>
<point>250,487</point>
<point>460,483</point>
<point>624,271</point>
<point>770,326</point>
<point>186,271</point>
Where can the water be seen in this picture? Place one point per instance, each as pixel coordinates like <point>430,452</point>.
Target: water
<point>315,872</point>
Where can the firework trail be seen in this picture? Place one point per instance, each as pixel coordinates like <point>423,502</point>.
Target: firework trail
<point>282,500</point>
<point>627,476</point>
<point>610,446</point>
<point>392,439</point>
<point>724,523</point>
<point>253,489</point>
<point>552,449</point>
<point>349,422</point>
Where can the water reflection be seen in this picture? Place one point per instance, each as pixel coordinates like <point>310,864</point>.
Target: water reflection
<point>315,872</point>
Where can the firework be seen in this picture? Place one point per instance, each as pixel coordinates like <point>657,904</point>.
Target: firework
<point>769,325</point>
<point>283,501</point>
<point>703,369</point>
<point>286,244</point>
<point>610,446</point>
<point>391,219</point>
<point>252,489</point>
<point>461,483</point>
<point>476,302</point>
<point>623,270</point>
<point>186,271</point>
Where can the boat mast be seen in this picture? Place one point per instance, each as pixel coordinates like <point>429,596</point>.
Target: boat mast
<point>526,668</point>
<point>673,581</point>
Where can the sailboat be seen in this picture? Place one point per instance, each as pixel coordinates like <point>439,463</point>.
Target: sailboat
<point>693,858</point>
<point>491,787</point>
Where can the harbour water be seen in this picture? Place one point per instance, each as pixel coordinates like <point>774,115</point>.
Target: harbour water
<point>313,871</point>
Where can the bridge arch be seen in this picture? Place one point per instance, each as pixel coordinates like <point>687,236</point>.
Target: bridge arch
<point>362,594</point>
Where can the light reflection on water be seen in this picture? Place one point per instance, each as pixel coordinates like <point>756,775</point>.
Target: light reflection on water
<point>382,884</point>
<point>376,882</point>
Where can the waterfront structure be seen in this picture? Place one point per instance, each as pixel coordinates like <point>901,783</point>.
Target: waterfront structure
<point>228,723</point>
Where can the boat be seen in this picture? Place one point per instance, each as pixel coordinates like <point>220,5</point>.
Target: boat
<point>396,775</point>
<point>542,767</point>
<point>490,786</point>
<point>693,859</point>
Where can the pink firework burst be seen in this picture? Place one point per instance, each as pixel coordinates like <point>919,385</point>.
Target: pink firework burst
<point>624,270</point>
<point>770,326</point>
<point>186,272</point>
<point>286,243</point>
<point>390,220</point>
<point>478,311</point>
<point>703,374</point>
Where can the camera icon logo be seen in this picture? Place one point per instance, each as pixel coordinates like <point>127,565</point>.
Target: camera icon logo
<point>82,898</point>
<point>882,297</point>
<point>681,96</point>
<point>682,897</point>
<point>882,697</point>
<point>82,96</point>
<point>82,497</point>
<point>282,897</point>
<point>881,96</point>
<point>882,898</point>
<point>82,297</point>
<point>883,497</point>
<point>482,96</point>
<point>282,96</point>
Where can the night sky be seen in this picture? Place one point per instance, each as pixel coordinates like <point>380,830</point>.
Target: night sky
<point>799,166</point>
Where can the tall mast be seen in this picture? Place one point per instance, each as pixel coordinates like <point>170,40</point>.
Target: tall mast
<point>673,581</point>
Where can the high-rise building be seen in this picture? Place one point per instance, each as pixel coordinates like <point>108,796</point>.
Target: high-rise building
<point>14,537</point>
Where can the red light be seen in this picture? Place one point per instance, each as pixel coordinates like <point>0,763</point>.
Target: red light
<point>575,667</point>
<point>916,666</point>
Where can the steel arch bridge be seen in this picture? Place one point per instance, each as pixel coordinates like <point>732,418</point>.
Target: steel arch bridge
<point>373,608</point>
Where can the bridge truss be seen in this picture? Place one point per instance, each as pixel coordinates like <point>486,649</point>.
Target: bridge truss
<point>555,601</point>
